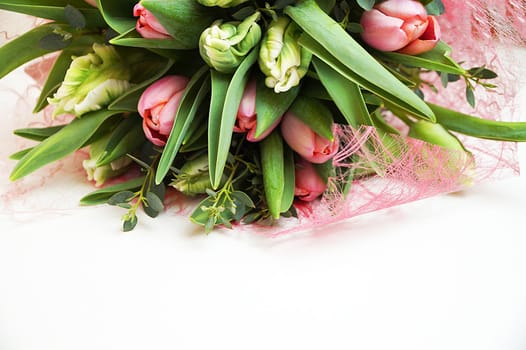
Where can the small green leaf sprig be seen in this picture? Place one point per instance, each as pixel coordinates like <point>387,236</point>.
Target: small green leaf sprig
<point>149,196</point>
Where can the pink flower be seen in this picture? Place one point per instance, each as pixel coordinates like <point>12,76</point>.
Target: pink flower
<point>158,105</point>
<point>303,140</point>
<point>400,25</point>
<point>308,184</point>
<point>147,25</point>
<point>246,115</point>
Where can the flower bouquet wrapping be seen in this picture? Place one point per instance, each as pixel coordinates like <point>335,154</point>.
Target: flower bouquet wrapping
<point>279,114</point>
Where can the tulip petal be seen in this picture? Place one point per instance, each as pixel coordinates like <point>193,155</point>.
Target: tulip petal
<point>383,32</point>
<point>403,9</point>
<point>427,41</point>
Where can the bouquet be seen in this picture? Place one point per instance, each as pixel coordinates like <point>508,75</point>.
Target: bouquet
<point>258,112</point>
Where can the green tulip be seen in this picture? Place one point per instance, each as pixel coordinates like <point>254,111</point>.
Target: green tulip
<point>281,58</point>
<point>221,3</point>
<point>91,82</point>
<point>193,178</point>
<point>223,46</point>
<point>101,173</point>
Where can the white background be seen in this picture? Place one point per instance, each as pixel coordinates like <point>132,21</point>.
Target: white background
<point>447,272</point>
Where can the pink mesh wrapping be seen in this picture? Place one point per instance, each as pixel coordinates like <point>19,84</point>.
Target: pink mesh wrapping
<point>490,33</point>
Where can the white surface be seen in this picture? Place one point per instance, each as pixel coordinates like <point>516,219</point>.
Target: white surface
<point>447,272</point>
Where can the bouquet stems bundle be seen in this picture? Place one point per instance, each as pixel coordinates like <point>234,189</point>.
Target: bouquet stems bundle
<point>245,105</point>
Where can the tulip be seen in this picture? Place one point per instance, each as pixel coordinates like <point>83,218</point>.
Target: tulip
<point>147,25</point>
<point>304,141</point>
<point>400,25</point>
<point>308,184</point>
<point>246,120</point>
<point>223,46</point>
<point>101,173</point>
<point>281,58</point>
<point>221,3</point>
<point>193,178</point>
<point>158,105</point>
<point>92,81</point>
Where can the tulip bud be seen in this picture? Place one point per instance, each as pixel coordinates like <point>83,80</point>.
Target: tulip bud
<point>92,81</point>
<point>223,46</point>
<point>158,105</point>
<point>308,183</point>
<point>101,173</point>
<point>193,177</point>
<point>400,25</point>
<point>147,25</point>
<point>281,58</point>
<point>221,3</point>
<point>246,120</point>
<point>304,141</point>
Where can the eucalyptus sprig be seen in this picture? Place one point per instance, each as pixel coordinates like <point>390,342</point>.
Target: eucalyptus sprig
<point>149,196</point>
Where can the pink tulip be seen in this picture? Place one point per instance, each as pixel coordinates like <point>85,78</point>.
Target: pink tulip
<point>158,105</point>
<point>395,25</point>
<point>147,25</point>
<point>308,184</point>
<point>246,115</point>
<point>303,140</point>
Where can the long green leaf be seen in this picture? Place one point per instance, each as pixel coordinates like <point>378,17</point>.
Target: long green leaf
<point>478,127</point>
<point>315,115</point>
<point>329,34</point>
<point>101,196</point>
<point>195,92</point>
<point>24,48</point>
<point>69,139</point>
<point>37,134</point>
<point>270,106</point>
<point>53,10</point>
<point>437,59</point>
<point>321,53</point>
<point>221,124</point>
<point>289,179</point>
<point>345,94</point>
<point>127,137</point>
<point>273,168</point>
<point>118,14</point>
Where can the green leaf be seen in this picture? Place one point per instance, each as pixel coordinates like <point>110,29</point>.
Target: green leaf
<point>121,197</point>
<point>124,139</point>
<point>366,4</point>
<point>329,41</point>
<point>478,127</point>
<point>20,154</point>
<point>129,223</point>
<point>134,39</point>
<point>118,14</point>
<point>74,17</point>
<point>154,70</point>
<point>435,8</point>
<point>185,20</point>
<point>194,95</point>
<point>37,134</point>
<point>437,59</point>
<point>104,194</point>
<point>289,179</point>
<point>154,202</point>
<point>55,10</point>
<point>315,115</point>
<point>24,48</point>
<point>273,168</point>
<point>226,95</point>
<point>69,139</point>
<point>270,106</point>
<point>346,94</point>
<point>470,96</point>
